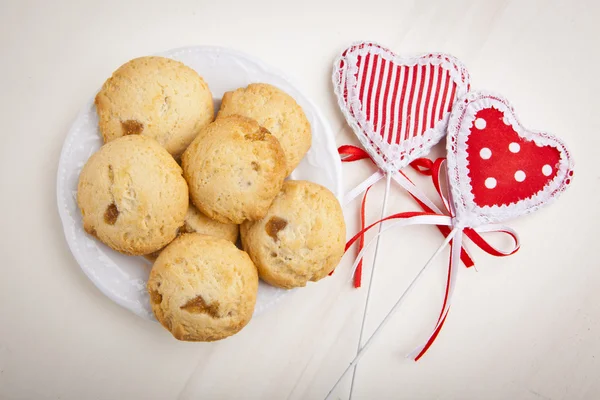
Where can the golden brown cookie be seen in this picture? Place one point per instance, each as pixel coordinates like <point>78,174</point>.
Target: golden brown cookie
<point>235,169</point>
<point>155,97</point>
<point>196,222</point>
<point>132,195</point>
<point>301,238</point>
<point>203,288</point>
<point>275,110</point>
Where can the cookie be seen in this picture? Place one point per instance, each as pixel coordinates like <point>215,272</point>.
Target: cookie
<point>301,238</point>
<point>276,111</point>
<point>235,169</point>
<point>155,97</point>
<point>132,195</point>
<point>196,222</point>
<point>203,288</point>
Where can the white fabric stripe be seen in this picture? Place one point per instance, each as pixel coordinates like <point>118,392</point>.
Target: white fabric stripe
<point>413,106</point>
<point>432,96</point>
<point>448,95</point>
<point>406,94</point>
<point>419,131</point>
<point>343,72</point>
<point>397,105</point>
<point>388,106</point>
<point>439,100</point>
<point>365,83</point>
<point>374,91</point>
<point>381,100</point>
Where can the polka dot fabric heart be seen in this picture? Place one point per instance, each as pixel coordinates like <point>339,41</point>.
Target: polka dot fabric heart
<point>504,167</point>
<point>497,169</point>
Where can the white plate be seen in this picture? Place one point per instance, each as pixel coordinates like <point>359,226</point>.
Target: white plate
<point>123,278</point>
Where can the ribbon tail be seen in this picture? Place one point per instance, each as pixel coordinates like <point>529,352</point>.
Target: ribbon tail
<point>473,235</point>
<point>450,285</point>
<point>361,242</point>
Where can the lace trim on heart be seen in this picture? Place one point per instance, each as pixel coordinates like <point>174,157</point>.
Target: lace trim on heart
<point>461,120</point>
<point>391,157</point>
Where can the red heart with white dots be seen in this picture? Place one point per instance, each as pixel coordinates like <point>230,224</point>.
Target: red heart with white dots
<point>397,106</point>
<point>497,169</point>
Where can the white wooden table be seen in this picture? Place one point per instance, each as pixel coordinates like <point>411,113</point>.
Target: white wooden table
<point>523,327</point>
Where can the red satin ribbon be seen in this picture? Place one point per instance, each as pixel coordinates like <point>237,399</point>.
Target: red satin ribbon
<point>433,169</point>
<point>422,165</point>
<point>351,153</point>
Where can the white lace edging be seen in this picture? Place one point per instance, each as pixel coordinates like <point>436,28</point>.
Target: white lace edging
<point>461,119</point>
<point>391,157</point>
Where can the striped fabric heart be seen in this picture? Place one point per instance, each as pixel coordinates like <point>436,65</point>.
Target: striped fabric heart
<point>397,106</point>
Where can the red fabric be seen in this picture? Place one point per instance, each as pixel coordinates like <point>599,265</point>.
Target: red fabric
<point>525,162</point>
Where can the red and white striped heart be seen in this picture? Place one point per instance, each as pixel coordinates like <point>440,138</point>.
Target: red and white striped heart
<point>397,106</point>
<point>497,169</point>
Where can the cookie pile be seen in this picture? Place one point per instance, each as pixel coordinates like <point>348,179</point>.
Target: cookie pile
<point>178,186</point>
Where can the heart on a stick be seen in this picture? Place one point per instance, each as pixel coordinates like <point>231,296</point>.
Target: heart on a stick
<point>398,106</point>
<point>497,169</point>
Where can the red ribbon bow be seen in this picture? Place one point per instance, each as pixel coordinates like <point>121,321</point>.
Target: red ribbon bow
<point>350,153</point>
<point>433,169</point>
